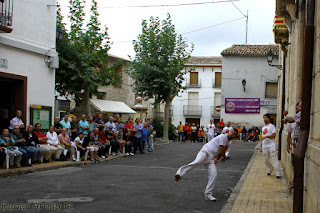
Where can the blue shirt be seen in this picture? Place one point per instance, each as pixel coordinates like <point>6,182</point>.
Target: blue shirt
<point>83,124</point>
<point>66,125</point>
<point>106,127</point>
<point>144,133</point>
<point>2,140</point>
<point>138,127</point>
<point>118,126</point>
<point>95,136</point>
<point>91,126</point>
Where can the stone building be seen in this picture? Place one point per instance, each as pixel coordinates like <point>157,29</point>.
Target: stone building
<point>299,80</point>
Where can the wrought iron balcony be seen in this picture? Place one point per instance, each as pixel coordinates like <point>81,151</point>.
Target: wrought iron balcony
<point>6,9</point>
<point>193,85</point>
<point>192,110</point>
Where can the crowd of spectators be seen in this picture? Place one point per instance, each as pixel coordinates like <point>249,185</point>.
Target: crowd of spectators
<point>69,137</point>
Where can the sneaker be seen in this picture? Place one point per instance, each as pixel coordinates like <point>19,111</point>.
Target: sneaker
<point>269,172</point>
<point>177,177</point>
<point>73,158</point>
<point>211,198</point>
<point>131,154</point>
<point>98,158</point>
<point>113,153</point>
<point>278,176</point>
<point>128,154</point>
<point>103,157</point>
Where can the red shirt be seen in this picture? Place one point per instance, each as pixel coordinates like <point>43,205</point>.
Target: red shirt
<point>102,137</point>
<point>40,135</point>
<point>130,126</point>
<point>185,128</point>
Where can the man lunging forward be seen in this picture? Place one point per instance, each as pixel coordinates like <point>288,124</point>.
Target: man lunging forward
<point>268,147</point>
<point>209,156</point>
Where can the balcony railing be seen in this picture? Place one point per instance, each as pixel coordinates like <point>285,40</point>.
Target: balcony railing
<point>193,85</point>
<point>192,110</point>
<point>213,111</point>
<point>214,85</point>
<point>6,9</point>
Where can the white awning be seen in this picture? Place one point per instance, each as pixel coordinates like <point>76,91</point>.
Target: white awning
<point>111,106</point>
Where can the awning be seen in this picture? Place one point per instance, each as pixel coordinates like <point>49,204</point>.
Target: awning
<point>111,106</point>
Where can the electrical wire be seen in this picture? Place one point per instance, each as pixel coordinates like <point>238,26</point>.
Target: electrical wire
<point>238,9</point>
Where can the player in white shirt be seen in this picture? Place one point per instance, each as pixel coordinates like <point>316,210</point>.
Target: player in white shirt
<point>210,130</point>
<point>226,130</point>
<point>268,147</point>
<point>209,156</point>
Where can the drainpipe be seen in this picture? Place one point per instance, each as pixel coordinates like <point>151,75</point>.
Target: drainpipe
<point>307,67</point>
<point>282,104</point>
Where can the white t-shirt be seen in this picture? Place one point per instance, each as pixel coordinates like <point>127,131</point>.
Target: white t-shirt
<point>52,138</point>
<point>79,141</point>
<point>267,131</point>
<point>213,146</point>
<point>226,129</point>
<point>290,128</point>
<point>211,128</point>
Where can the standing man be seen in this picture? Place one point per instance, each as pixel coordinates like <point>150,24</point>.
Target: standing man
<point>268,147</point>
<point>210,130</point>
<point>16,121</point>
<point>180,132</point>
<point>65,123</point>
<point>226,130</point>
<point>220,126</point>
<point>137,136</point>
<point>57,125</point>
<point>209,156</point>
<point>84,125</point>
<point>74,128</point>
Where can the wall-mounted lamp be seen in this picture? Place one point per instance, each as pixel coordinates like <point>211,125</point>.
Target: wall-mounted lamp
<point>244,82</point>
<point>270,59</point>
<point>60,34</point>
<point>47,60</point>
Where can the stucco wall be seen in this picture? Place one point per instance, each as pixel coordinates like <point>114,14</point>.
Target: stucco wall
<point>206,75</point>
<point>256,72</point>
<point>34,32</point>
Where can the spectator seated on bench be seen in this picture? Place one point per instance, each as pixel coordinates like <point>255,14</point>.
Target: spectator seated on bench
<point>43,141</point>
<point>77,143</point>
<point>54,141</point>
<point>21,143</point>
<point>103,139</point>
<point>33,143</point>
<point>64,140</point>
<point>13,153</point>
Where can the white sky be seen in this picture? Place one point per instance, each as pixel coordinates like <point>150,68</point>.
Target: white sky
<point>124,24</point>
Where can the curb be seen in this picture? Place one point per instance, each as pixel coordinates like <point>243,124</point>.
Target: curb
<point>229,204</point>
<point>52,166</point>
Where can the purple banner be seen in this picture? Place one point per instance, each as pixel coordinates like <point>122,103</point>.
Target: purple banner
<point>242,105</point>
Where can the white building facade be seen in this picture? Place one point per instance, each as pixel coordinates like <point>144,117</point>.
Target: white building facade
<point>246,75</point>
<point>28,60</point>
<point>201,100</point>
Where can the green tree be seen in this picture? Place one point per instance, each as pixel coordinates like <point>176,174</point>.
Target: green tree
<point>83,55</point>
<point>158,66</point>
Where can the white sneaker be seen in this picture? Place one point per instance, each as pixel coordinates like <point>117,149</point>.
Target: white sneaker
<point>98,157</point>
<point>128,154</point>
<point>113,154</point>
<point>73,158</point>
<point>210,198</point>
<point>131,154</point>
<point>103,157</point>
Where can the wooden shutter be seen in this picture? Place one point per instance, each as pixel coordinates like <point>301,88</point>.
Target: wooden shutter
<point>193,78</point>
<point>217,79</point>
<point>271,90</point>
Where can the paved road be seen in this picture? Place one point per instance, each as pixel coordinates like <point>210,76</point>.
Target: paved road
<point>143,183</point>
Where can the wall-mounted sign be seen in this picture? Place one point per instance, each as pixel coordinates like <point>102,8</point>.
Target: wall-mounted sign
<point>40,114</point>
<point>242,105</point>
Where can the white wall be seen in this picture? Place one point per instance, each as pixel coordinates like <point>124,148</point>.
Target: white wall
<point>206,96</point>
<point>33,35</point>
<point>256,72</point>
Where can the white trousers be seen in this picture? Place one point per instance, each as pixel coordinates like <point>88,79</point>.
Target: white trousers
<point>271,151</point>
<point>210,137</point>
<point>202,159</point>
<point>227,154</point>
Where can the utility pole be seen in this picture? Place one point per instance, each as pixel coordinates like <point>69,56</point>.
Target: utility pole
<point>247,28</point>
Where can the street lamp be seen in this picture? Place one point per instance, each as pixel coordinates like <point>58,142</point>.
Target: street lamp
<point>244,82</point>
<point>59,34</point>
<point>270,59</point>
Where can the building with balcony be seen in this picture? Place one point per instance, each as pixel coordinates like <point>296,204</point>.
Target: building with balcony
<point>202,93</point>
<point>249,85</point>
<point>28,60</point>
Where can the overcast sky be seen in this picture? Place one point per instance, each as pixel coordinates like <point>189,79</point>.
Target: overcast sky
<point>124,23</point>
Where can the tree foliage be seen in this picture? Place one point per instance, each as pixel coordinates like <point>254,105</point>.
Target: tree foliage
<point>83,55</point>
<point>158,66</point>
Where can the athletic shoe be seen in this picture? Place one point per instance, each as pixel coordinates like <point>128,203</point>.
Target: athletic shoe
<point>103,157</point>
<point>128,154</point>
<point>113,154</point>
<point>268,173</point>
<point>98,157</point>
<point>177,177</point>
<point>211,198</point>
<point>278,176</point>
<point>132,154</point>
<point>73,158</point>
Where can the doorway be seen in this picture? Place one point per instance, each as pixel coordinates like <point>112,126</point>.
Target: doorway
<point>193,120</point>
<point>13,98</point>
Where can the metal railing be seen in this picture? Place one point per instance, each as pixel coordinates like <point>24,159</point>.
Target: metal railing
<point>214,85</point>
<point>193,85</point>
<point>6,9</point>
<point>213,111</point>
<point>192,110</point>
